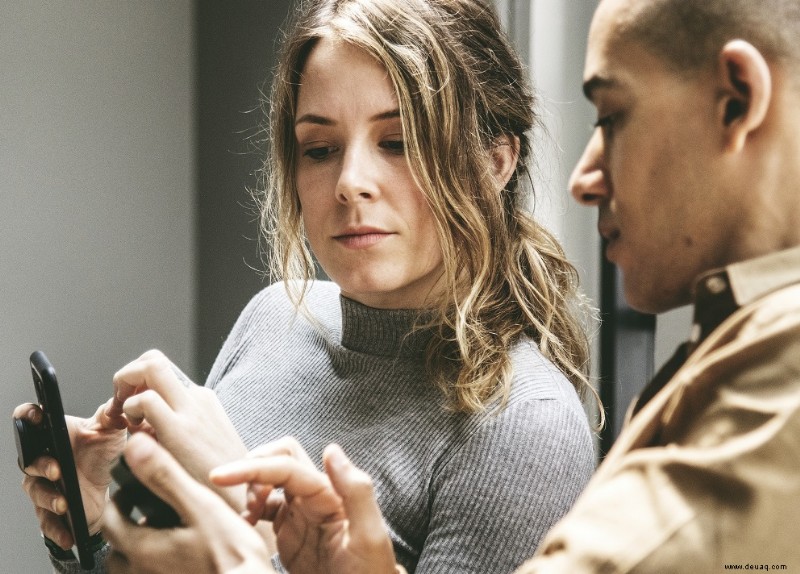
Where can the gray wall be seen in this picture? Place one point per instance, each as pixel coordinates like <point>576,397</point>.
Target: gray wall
<point>97,251</point>
<point>235,46</point>
<point>128,141</point>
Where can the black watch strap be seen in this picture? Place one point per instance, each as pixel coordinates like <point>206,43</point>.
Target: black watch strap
<point>57,552</point>
<point>96,542</point>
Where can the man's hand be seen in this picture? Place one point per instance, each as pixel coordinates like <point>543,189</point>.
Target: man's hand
<point>96,444</point>
<point>213,537</point>
<point>324,522</point>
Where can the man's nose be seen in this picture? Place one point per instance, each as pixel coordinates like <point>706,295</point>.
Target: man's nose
<point>588,183</point>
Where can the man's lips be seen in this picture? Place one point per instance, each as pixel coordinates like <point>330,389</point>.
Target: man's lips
<point>607,231</point>
<point>610,234</point>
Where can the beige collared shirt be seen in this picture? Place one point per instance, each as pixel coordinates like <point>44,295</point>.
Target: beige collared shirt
<point>705,476</point>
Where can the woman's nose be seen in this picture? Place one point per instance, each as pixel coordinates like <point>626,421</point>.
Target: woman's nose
<point>359,176</point>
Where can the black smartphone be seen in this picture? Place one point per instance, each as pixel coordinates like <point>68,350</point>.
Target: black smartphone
<point>132,494</point>
<point>52,438</point>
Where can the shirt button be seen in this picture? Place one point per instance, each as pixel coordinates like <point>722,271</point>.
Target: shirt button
<point>716,285</point>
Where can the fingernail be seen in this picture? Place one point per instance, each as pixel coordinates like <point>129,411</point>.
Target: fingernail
<point>33,415</point>
<point>140,448</point>
<point>337,456</point>
<point>59,505</point>
<point>220,470</point>
<point>50,472</point>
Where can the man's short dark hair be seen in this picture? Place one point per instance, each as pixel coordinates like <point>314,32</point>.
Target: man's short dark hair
<point>690,33</point>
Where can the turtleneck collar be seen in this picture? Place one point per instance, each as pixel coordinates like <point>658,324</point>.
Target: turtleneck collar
<point>382,332</point>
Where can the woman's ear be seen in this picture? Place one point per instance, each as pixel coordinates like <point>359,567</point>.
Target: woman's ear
<point>746,92</point>
<point>505,151</point>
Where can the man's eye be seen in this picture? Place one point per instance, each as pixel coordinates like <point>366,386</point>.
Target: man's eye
<point>605,123</point>
<point>394,146</point>
<point>318,153</point>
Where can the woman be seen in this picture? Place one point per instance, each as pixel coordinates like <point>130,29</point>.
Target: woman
<point>444,356</point>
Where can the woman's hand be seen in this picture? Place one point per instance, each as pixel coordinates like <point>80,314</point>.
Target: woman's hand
<point>213,537</point>
<point>96,445</point>
<point>186,419</point>
<point>324,522</point>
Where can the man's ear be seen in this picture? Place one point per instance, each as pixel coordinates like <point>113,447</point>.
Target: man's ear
<point>746,93</point>
<point>505,151</point>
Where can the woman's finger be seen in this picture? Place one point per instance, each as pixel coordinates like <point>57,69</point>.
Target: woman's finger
<point>153,370</point>
<point>43,466</point>
<point>54,528</point>
<point>257,495</point>
<point>44,494</point>
<point>149,406</point>
<point>295,477</point>
<point>274,502</point>
<point>283,446</point>
<point>28,411</point>
<point>358,496</point>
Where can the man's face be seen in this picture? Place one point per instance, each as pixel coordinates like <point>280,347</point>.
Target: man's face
<point>652,167</point>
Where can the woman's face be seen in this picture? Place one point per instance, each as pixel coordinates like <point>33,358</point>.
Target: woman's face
<point>366,219</point>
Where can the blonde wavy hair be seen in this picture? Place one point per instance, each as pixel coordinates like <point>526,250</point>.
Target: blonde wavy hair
<point>461,89</point>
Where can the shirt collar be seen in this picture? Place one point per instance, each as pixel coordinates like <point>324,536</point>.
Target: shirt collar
<point>720,292</point>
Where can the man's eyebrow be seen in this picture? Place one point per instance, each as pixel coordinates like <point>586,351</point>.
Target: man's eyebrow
<point>323,121</point>
<point>595,83</point>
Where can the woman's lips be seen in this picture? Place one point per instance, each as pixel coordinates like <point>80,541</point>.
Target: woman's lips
<point>361,239</point>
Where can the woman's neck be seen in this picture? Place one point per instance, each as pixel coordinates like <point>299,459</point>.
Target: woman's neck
<point>383,332</point>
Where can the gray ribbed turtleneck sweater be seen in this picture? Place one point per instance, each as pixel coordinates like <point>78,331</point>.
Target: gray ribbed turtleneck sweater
<point>459,493</point>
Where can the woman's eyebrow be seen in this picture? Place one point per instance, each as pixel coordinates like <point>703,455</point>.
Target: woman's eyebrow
<point>323,121</point>
<point>314,119</point>
<point>387,115</point>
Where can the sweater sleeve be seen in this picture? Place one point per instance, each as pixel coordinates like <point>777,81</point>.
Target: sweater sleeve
<point>74,567</point>
<point>255,310</point>
<point>496,497</point>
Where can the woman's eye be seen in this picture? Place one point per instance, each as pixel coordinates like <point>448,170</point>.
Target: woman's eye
<point>319,153</point>
<point>394,146</point>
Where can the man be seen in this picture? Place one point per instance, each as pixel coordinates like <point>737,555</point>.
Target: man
<point>694,168</point>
